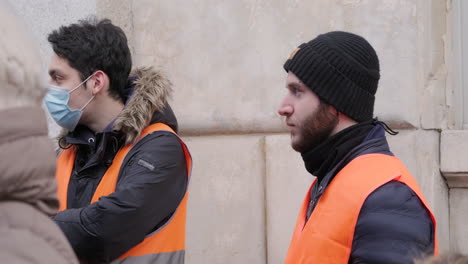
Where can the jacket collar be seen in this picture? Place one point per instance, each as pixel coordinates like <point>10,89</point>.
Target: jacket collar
<point>323,157</point>
<point>375,142</point>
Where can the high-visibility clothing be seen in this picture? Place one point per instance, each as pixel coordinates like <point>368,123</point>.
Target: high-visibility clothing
<point>328,234</point>
<point>165,245</point>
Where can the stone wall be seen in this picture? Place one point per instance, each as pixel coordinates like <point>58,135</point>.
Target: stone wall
<point>225,60</point>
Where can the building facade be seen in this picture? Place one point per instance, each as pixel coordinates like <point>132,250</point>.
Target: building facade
<point>225,60</point>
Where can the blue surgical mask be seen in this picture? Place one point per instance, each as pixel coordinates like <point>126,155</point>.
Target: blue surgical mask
<point>56,101</point>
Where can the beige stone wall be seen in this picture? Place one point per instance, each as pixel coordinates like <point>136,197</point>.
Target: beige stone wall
<point>225,60</point>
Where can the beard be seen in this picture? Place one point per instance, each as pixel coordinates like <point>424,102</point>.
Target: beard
<point>314,129</point>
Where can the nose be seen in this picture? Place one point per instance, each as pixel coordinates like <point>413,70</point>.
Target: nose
<point>285,109</point>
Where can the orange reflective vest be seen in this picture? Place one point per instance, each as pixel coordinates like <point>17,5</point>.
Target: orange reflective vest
<point>165,245</point>
<point>328,235</point>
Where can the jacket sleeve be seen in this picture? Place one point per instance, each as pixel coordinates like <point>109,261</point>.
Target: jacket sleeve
<point>393,227</point>
<point>151,185</point>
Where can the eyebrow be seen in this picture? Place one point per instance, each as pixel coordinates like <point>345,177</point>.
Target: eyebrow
<point>53,72</point>
<point>296,85</point>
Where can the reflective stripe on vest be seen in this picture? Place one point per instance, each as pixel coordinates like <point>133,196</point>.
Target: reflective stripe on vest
<point>165,245</point>
<point>328,235</point>
<point>161,258</point>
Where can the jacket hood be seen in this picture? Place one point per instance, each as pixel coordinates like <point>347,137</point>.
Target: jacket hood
<point>151,91</point>
<point>146,102</point>
<point>27,159</point>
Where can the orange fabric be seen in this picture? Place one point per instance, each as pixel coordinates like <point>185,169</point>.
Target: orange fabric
<point>327,236</point>
<point>170,237</point>
<point>63,173</point>
<point>109,180</point>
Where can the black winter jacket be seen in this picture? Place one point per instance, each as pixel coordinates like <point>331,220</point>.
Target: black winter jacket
<point>145,196</point>
<point>393,225</point>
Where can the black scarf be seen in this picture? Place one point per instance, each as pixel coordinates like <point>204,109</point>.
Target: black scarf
<point>324,157</point>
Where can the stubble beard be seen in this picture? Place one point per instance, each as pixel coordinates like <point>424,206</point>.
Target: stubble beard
<point>315,129</point>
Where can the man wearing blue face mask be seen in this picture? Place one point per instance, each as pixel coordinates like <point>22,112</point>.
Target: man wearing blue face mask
<point>123,172</point>
<point>56,101</point>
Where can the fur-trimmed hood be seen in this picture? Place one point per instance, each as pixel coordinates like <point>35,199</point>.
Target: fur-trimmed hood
<point>146,102</point>
<point>151,91</point>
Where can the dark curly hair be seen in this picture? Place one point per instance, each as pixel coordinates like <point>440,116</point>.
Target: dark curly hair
<point>92,45</point>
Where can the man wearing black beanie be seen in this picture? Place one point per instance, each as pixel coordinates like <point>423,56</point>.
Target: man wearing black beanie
<point>364,206</point>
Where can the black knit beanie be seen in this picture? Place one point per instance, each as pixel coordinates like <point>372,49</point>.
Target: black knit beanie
<point>342,69</point>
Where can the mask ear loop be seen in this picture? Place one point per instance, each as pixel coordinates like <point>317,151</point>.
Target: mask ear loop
<point>72,90</point>
<point>89,101</point>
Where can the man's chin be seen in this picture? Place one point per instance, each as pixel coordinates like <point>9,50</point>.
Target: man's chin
<point>296,144</point>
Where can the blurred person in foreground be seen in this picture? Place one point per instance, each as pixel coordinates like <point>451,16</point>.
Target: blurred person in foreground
<point>364,206</point>
<point>28,191</point>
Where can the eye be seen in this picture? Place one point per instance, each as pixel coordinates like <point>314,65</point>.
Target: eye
<point>295,91</point>
<point>57,78</point>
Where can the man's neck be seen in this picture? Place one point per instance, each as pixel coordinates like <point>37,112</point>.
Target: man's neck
<point>105,114</point>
